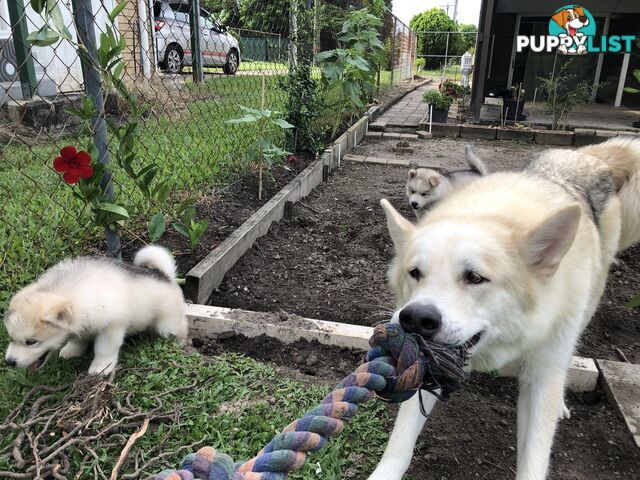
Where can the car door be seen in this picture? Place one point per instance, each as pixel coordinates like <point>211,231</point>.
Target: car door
<point>181,29</point>
<point>214,52</point>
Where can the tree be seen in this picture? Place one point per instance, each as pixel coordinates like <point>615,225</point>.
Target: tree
<point>227,12</point>
<point>468,38</point>
<point>435,20</point>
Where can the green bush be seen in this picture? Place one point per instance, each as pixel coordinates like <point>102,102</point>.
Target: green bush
<point>437,99</point>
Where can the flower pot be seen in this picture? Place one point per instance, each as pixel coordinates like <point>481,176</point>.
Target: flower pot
<point>509,106</point>
<point>439,115</point>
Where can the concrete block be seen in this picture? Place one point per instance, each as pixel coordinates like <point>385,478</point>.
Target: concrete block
<point>481,132</point>
<point>551,137</point>
<point>399,136</point>
<point>445,130</point>
<point>378,126</point>
<point>621,382</point>
<point>522,135</point>
<point>583,375</point>
<point>581,139</point>
<point>424,135</point>
<point>606,133</point>
<point>376,135</point>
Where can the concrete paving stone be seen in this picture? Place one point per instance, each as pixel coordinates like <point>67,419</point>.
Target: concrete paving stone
<point>483,132</point>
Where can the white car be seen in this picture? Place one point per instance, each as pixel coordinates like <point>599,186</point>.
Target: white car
<point>173,39</point>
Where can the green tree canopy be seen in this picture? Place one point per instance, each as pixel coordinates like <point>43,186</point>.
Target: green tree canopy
<point>435,20</point>
<point>468,41</point>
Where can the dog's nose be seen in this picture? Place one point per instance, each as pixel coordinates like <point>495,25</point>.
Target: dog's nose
<point>420,318</point>
<point>583,19</point>
<point>415,205</point>
<point>10,361</point>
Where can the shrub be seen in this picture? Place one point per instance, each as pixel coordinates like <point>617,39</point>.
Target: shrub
<point>563,92</point>
<point>437,99</point>
<point>436,20</point>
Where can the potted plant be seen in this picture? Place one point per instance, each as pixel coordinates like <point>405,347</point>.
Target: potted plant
<point>440,103</point>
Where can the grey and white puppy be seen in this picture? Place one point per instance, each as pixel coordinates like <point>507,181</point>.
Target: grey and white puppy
<point>425,186</point>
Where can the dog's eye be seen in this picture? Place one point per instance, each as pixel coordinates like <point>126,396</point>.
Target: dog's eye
<point>30,342</point>
<point>425,194</point>
<point>412,192</point>
<point>415,273</point>
<point>474,278</point>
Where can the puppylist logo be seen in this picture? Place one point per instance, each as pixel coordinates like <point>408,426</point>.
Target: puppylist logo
<point>572,31</point>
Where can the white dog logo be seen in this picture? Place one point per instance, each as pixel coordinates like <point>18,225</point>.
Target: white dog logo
<point>572,19</point>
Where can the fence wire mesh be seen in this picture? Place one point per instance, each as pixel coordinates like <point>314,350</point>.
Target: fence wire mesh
<point>439,54</point>
<point>245,57</point>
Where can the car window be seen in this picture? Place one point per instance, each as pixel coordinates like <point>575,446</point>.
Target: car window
<point>180,11</point>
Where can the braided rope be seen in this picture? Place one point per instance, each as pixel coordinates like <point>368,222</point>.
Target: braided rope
<point>396,367</point>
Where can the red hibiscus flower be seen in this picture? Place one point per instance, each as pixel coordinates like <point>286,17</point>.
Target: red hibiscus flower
<point>73,165</point>
<point>292,159</point>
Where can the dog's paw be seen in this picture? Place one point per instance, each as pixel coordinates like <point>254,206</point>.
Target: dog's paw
<point>564,412</point>
<point>101,367</point>
<point>72,350</point>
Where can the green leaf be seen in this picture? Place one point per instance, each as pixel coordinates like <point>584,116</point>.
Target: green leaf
<point>156,227</point>
<point>188,215</point>
<point>184,205</point>
<point>634,302</point>
<point>181,229</point>
<point>358,62</point>
<point>245,119</point>
<point>58,21</point>
<point>631,90</point>
<point>43,37</point>
<point>161,192</point>
<point>636,74</point>
<point>321,57</point>
<point>116,11</point>
<point>38,5</point>
<point>282,123</point>
<point>113,208</point>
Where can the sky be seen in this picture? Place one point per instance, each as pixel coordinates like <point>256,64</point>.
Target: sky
<point>468,10</point>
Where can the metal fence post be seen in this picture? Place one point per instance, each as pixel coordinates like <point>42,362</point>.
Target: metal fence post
<point>393,49</point>
<point>18,19</point>
<point>196,52</point>
<point>83,15</point>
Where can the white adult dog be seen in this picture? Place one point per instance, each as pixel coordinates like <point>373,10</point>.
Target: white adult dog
<point>514,265</point>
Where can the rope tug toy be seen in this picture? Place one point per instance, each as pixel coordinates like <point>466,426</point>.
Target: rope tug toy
<point>397,366</point>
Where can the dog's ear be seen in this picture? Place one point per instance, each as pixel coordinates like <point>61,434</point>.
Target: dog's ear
<point>413,173</point>
<point>579,11</point>
<point>399,227</point>
<point>59,313</point>
<point>561,17</point>
<point>434,180</point>
<point>544,246</point>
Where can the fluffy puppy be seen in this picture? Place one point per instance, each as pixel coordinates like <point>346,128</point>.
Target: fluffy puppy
<point>425,187</point>
<point>99,299</point>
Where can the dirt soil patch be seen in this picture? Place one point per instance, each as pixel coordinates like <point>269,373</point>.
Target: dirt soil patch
<point>329,261</point>
<point>473,435</point>
<point>226,208</point>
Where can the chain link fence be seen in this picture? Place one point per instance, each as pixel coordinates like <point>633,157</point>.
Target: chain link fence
<point>184,89</point>
<point>439,54</point>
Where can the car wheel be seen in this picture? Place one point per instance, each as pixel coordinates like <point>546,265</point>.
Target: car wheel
<point>233,61</point>
<point>173,59</point>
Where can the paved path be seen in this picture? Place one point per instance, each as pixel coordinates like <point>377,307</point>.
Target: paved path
<point>407,112</point>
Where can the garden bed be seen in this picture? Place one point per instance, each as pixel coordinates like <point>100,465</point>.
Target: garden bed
<point>329,260</point>
<point>592,444</point>
<point>226,208</point>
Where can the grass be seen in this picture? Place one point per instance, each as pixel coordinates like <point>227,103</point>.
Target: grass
<point>237,403</point>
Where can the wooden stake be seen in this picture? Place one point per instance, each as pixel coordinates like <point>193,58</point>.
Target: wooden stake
<point>264,89</point>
